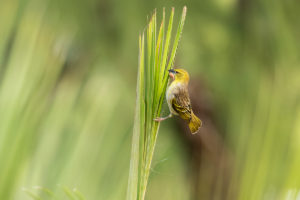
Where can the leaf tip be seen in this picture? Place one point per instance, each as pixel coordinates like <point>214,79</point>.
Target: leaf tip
<point>184,11</point>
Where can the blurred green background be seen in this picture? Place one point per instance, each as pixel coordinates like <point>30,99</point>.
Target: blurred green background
<point>67,93</point>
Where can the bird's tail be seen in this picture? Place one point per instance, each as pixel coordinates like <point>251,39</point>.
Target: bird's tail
<point>195,124</point>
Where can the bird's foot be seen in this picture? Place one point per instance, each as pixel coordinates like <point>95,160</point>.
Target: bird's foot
<point>159,119</point>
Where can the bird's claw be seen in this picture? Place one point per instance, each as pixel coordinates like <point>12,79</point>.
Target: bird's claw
<point>158,119</point>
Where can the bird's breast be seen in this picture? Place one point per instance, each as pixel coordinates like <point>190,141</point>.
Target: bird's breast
<point>172,89</point>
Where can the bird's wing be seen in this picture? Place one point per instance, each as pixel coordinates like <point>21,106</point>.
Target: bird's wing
<point>181,104</point>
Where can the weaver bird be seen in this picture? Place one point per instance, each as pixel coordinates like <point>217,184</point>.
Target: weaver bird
<point>179,101</point>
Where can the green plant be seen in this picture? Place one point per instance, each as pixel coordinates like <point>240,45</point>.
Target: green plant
<point>73,194</point>
<point>55,123</point>
<point>151,86</point>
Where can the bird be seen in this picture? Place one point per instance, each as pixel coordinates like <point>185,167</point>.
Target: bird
<point>178,100</point>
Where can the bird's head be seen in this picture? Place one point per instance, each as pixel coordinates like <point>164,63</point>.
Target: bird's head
<point>179,75</point>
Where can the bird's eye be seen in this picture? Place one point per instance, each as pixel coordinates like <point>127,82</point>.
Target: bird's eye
<point>176,72</point>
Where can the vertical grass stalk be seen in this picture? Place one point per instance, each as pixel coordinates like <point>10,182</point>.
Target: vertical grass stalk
<point>152,79</point>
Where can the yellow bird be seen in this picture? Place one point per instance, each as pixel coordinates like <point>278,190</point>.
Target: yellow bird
<point>179,101</point>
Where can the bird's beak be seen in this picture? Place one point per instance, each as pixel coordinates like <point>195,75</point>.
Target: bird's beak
<point>172,73</point>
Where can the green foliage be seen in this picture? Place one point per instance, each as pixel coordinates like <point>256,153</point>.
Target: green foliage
<point>55,123</point>
<point>67,89</point>
<point>73,194</point>
<point>151,87</point>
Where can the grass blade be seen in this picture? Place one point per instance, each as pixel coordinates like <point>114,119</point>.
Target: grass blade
<point>151,86</point>
<point>137,143</point>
